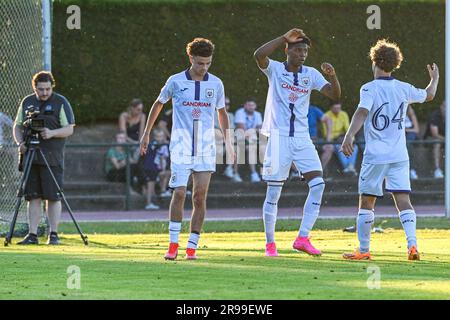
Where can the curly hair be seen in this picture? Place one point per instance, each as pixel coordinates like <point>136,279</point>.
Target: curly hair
<point>200,47</point>
<point>386,55</point>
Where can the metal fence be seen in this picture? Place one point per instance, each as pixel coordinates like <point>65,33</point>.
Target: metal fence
<point>20,57</point>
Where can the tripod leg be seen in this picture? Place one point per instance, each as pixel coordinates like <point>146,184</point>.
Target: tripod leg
<point>83,236</point>
<point>28,164</point>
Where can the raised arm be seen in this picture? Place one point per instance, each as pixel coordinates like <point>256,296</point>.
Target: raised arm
<point>262,53</point>
<point>431,89</point>
<point>333,89</point>
<point>152,116</point>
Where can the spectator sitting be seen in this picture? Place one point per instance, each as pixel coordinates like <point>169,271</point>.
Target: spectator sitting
<point>412,133</point>
<point>250,120</point>
<point>230,169</point>
<point>116,161</point>
<point>132,123</point>
<point>315,115</point>
<point>154,166</point>
<point>340,124</point>
<point>436,131</point>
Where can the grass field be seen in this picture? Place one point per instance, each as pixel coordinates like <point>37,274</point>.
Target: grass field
<point>231,266</point>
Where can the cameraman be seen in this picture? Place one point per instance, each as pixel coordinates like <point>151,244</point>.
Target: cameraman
<point>57,115</point>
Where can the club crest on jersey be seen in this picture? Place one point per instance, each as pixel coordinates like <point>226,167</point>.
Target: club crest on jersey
<point>48,107</point>
<point>293,97</point>
<point>305,81</point>
<point>210,93</point>
<point>196,113</point>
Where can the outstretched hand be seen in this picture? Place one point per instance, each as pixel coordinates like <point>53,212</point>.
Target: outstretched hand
<point>433,70</point>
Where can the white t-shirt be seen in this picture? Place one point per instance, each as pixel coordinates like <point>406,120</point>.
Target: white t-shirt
<point>194,105</point>
<point>288,98</point>
<point>250,121</point>
<point>387,100</point>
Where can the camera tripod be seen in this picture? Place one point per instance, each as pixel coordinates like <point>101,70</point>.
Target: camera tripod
<point>33,148</point>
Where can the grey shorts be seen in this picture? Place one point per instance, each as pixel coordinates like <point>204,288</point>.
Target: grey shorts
<point>40,184</point>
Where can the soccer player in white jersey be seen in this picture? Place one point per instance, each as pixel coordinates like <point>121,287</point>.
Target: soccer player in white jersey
<point>286,124</point>
<point>382,109</point>
<point>196,95</point>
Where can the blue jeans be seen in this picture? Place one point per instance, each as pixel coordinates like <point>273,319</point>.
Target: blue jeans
<point>343,159</point>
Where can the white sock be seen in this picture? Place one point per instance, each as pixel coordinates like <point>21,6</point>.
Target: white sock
<point>408,220</point>
<point>193,240</point>
<point>174,231</point>
<point>270,210</point>
<point>312,206</point>
<point>364,227</point>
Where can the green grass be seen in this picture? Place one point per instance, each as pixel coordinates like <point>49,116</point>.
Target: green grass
<point>255,1</point>
<point>231,266</point>
<point>240,225</point>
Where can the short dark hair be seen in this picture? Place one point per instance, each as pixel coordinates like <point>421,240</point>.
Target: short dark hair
<point>43,76</point>
<point>200,47</point>
<point>304,40</point>
<point>251,99</point>
<point>386,55</point>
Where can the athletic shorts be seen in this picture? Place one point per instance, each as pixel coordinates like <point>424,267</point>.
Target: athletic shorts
<point>372,176</point>
<point>282,151</point>
<point>40,184</point>
<point>180,172</point>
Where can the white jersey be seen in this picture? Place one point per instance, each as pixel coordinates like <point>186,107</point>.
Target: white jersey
<point>251,121</point>
<point>288,98</point>
<point>387,100</point>
<point>194,104</point>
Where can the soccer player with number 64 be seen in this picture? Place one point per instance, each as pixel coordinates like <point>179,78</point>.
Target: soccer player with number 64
<point>382,109</point>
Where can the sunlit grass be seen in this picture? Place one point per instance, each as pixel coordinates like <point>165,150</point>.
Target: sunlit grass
<point>231,266</point>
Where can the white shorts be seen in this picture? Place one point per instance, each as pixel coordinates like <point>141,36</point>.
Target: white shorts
<point>372,176</point>
<point>180,172</point>
<point>281,151</point>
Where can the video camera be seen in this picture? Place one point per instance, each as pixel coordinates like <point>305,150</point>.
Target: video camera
<point>32,127</point>
<point>32,122</point>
